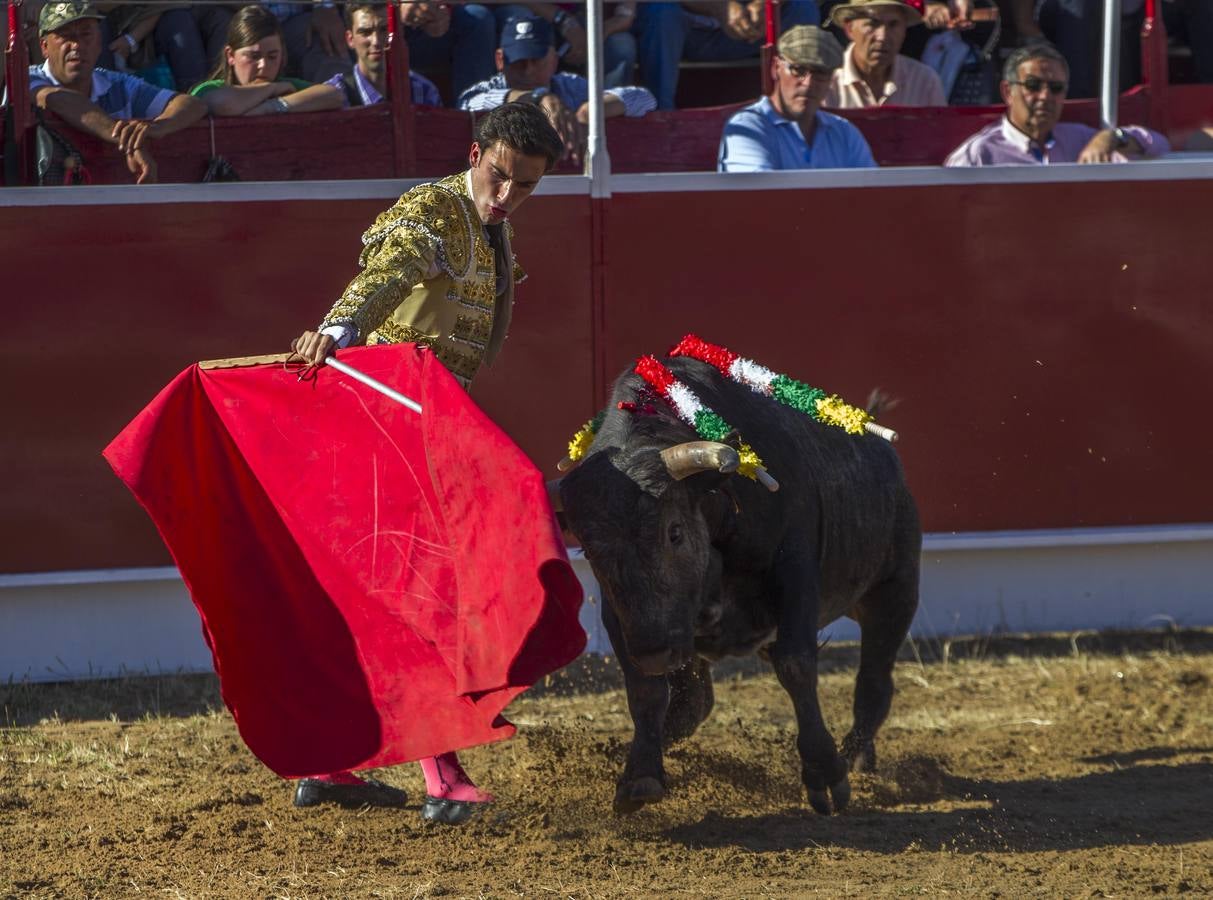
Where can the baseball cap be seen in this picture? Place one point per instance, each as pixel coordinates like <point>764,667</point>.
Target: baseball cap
<point>808,45</point>
<point>55,15</point>
<point>525,37</point>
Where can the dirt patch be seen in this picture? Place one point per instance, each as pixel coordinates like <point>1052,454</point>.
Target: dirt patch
<point>1063,772</point>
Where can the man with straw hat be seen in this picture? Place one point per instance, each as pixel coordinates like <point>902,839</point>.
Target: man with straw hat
<point>787,129</point>
<point>873,72</point>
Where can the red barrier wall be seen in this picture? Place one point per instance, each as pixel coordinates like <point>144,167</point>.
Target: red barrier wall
<point>1048,340</point>
<point>110,302</point>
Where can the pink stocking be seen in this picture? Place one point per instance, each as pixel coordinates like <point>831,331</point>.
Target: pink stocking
<point>446,780</point>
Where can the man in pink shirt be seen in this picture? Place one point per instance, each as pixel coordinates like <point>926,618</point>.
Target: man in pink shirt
<point>1035,80</point>
<point>873,72</point>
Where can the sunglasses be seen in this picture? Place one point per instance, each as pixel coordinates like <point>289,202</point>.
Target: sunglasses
<point>1033,85</point>
<point>802,72</point>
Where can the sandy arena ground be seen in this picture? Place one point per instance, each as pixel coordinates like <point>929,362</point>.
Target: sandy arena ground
<point>1050,768</point>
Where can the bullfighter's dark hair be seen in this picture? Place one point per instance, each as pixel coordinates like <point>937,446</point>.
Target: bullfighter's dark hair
<point>524,128</point>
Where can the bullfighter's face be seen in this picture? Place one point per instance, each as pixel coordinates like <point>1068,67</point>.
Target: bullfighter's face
<point>502,178</point>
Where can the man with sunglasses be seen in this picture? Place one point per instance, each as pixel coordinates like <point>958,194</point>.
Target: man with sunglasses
<point>787,129</point>
<point>1034,85</point>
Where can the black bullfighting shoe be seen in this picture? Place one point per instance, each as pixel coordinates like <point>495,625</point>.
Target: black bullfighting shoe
<point>368,792</point>
<point>436,810</point>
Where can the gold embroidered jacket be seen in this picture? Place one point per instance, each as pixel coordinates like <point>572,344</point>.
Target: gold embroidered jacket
<point>429,275</point>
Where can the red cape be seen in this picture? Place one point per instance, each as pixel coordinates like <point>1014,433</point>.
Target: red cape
<point>375,586</point>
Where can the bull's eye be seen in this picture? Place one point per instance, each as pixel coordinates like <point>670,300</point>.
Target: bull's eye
<point>675,533</point>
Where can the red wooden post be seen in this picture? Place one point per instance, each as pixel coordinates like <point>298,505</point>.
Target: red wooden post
<point>400,96</point>
<point>768,49</point>
<point>21,116</point>
<point>1155,67</point>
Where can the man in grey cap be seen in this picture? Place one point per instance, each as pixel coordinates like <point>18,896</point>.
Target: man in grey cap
<point>873,71</point>
<point>119,109</point>
<point>787,129</point>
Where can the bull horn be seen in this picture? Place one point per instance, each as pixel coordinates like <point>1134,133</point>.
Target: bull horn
<point>553,487</point>
<point>692,457</point>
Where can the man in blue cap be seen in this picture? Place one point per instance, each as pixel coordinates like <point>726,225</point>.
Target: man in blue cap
<point>526,71</point>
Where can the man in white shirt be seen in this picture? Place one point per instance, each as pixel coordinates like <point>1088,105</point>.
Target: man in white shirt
<point>873,72</point>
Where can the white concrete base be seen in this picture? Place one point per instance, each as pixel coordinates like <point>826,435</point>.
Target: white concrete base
<point>68,625</point>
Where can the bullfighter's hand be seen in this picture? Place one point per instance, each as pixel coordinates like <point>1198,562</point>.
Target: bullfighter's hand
<point>313,347</point>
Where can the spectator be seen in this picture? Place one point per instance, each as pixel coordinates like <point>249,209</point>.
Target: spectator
<point>135,37</point>
<point>874,73</point>
<point>461,37</point>
<point>526,63</point>
<point>247,80</point>
<point>117,108</point>
<point>704,31</point>
<point>366,84</point>
<point>313,35</point>
<point>1034,88</point>
<point>618,46</point>
<point>787,129</point>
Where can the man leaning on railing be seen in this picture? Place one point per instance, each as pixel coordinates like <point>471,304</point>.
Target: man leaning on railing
<point>119,109</point>
<point>1034,84</point>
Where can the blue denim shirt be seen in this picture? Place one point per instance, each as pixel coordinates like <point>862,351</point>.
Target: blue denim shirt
<point>758,139</point>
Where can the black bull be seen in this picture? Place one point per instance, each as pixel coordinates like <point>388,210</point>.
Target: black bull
<point>715,565</point>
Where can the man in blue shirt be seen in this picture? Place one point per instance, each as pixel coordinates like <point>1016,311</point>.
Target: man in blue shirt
<point>119,109</point>
<point>526,71</point>
<point>788,130</point>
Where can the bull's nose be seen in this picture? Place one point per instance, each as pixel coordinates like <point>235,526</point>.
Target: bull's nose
<point>656,663</point>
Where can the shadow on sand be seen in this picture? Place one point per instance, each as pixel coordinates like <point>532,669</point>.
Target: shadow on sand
<point>1134,804</point>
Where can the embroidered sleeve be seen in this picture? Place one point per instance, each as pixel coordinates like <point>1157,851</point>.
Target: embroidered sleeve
<point>425,230</point>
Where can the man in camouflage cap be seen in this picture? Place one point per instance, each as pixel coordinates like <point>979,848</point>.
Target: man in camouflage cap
<point>119,109</point>
<point>787,129</point>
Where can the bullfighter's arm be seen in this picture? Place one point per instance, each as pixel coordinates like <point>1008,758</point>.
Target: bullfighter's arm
<point>389,271</point>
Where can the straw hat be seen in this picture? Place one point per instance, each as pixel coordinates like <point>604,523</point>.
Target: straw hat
<point>854,9</point>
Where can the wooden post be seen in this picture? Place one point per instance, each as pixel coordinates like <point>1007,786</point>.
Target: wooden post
<point>400,96</point>
<point>768,49</point>
<point>20,112</point>
<point>1155,66</point>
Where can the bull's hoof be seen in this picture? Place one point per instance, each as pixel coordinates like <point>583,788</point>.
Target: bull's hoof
<point>632,795</point>
<point>833,801</point>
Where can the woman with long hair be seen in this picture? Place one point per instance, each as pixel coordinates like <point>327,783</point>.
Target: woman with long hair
<point>247,80</point>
